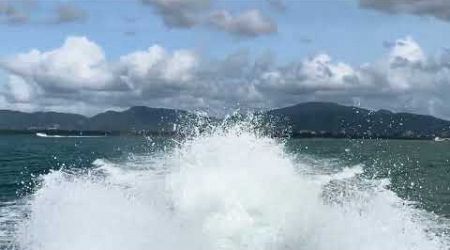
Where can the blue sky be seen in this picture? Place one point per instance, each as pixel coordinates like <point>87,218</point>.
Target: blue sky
<point>340,28</point>
<point>343,30</point>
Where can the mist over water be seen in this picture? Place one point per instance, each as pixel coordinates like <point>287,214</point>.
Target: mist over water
<point>232,188</point>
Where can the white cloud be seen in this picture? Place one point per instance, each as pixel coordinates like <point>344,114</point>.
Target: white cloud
<point>77,64</point>
<point>406,51</point>
<point>21,90</point>
<point>78,71</point>
<point>405,67</point>
<point>250,23</point>
<point>156,66</point>
<point>78,74</point>
<point>317,73</point>
<point>321,72</point>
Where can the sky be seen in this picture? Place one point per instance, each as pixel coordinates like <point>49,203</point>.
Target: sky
<point>86,57</point>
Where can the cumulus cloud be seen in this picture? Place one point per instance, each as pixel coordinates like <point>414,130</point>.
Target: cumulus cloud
<point>157,68</point>
<point>78,74</point>
<point>406,51</point>
<point>77,64</point>
<point>250,23</point>
<point>179,13</point>
<point>436,8</point>
<point>317,73</point>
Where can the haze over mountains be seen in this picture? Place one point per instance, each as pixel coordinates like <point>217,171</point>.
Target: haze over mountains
<point>314,119</point>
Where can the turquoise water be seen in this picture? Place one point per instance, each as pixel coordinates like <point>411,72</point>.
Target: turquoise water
<point>380,181</point>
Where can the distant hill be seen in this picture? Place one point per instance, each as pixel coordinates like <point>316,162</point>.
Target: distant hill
<point>337,120</point>
<point>313,119</point>
<point>15,120</point>
<point>132,120</point>
<point>136,119</point>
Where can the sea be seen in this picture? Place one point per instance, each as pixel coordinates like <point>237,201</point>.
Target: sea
<point>227,188</point>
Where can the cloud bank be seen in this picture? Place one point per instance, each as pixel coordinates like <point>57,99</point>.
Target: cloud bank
<point>191,13</point>
<point>436,8</point>
<point>179,13</point>
<point>15,12</point>
<point>175,14</point>
<point>77,76</point>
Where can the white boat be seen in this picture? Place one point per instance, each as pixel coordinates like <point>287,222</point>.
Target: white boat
<point>41,135</point>
<point>438,139</point>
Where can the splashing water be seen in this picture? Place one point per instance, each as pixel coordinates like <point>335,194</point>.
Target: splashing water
<point>229,189</point>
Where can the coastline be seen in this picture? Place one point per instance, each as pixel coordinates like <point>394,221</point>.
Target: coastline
<point>323,135</point>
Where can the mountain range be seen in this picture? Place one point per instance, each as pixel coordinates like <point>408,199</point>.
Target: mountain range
<point>313,119</point>
<point>134,119</point>
<point>334,120</point>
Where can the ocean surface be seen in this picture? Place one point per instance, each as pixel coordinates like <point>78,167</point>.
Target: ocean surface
<point>228,189</point>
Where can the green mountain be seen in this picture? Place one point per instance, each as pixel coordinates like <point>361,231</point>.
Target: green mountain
<point>318,118</point>
<point>15,120</point>
<point>304,120</point>
<point>134,119</point>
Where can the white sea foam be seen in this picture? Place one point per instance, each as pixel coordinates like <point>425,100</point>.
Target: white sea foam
<point>230,189</point>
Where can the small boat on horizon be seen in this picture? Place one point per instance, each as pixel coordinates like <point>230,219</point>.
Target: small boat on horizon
<point>439,139</point>
<point>45,135</point>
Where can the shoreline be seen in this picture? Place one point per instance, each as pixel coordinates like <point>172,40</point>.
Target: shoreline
<point>78,134</point>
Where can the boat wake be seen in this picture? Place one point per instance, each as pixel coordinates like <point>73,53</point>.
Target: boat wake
<point>229,189</point>
<point>45,135</point>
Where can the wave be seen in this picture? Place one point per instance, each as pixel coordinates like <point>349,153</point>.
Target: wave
<point>230,189</point>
